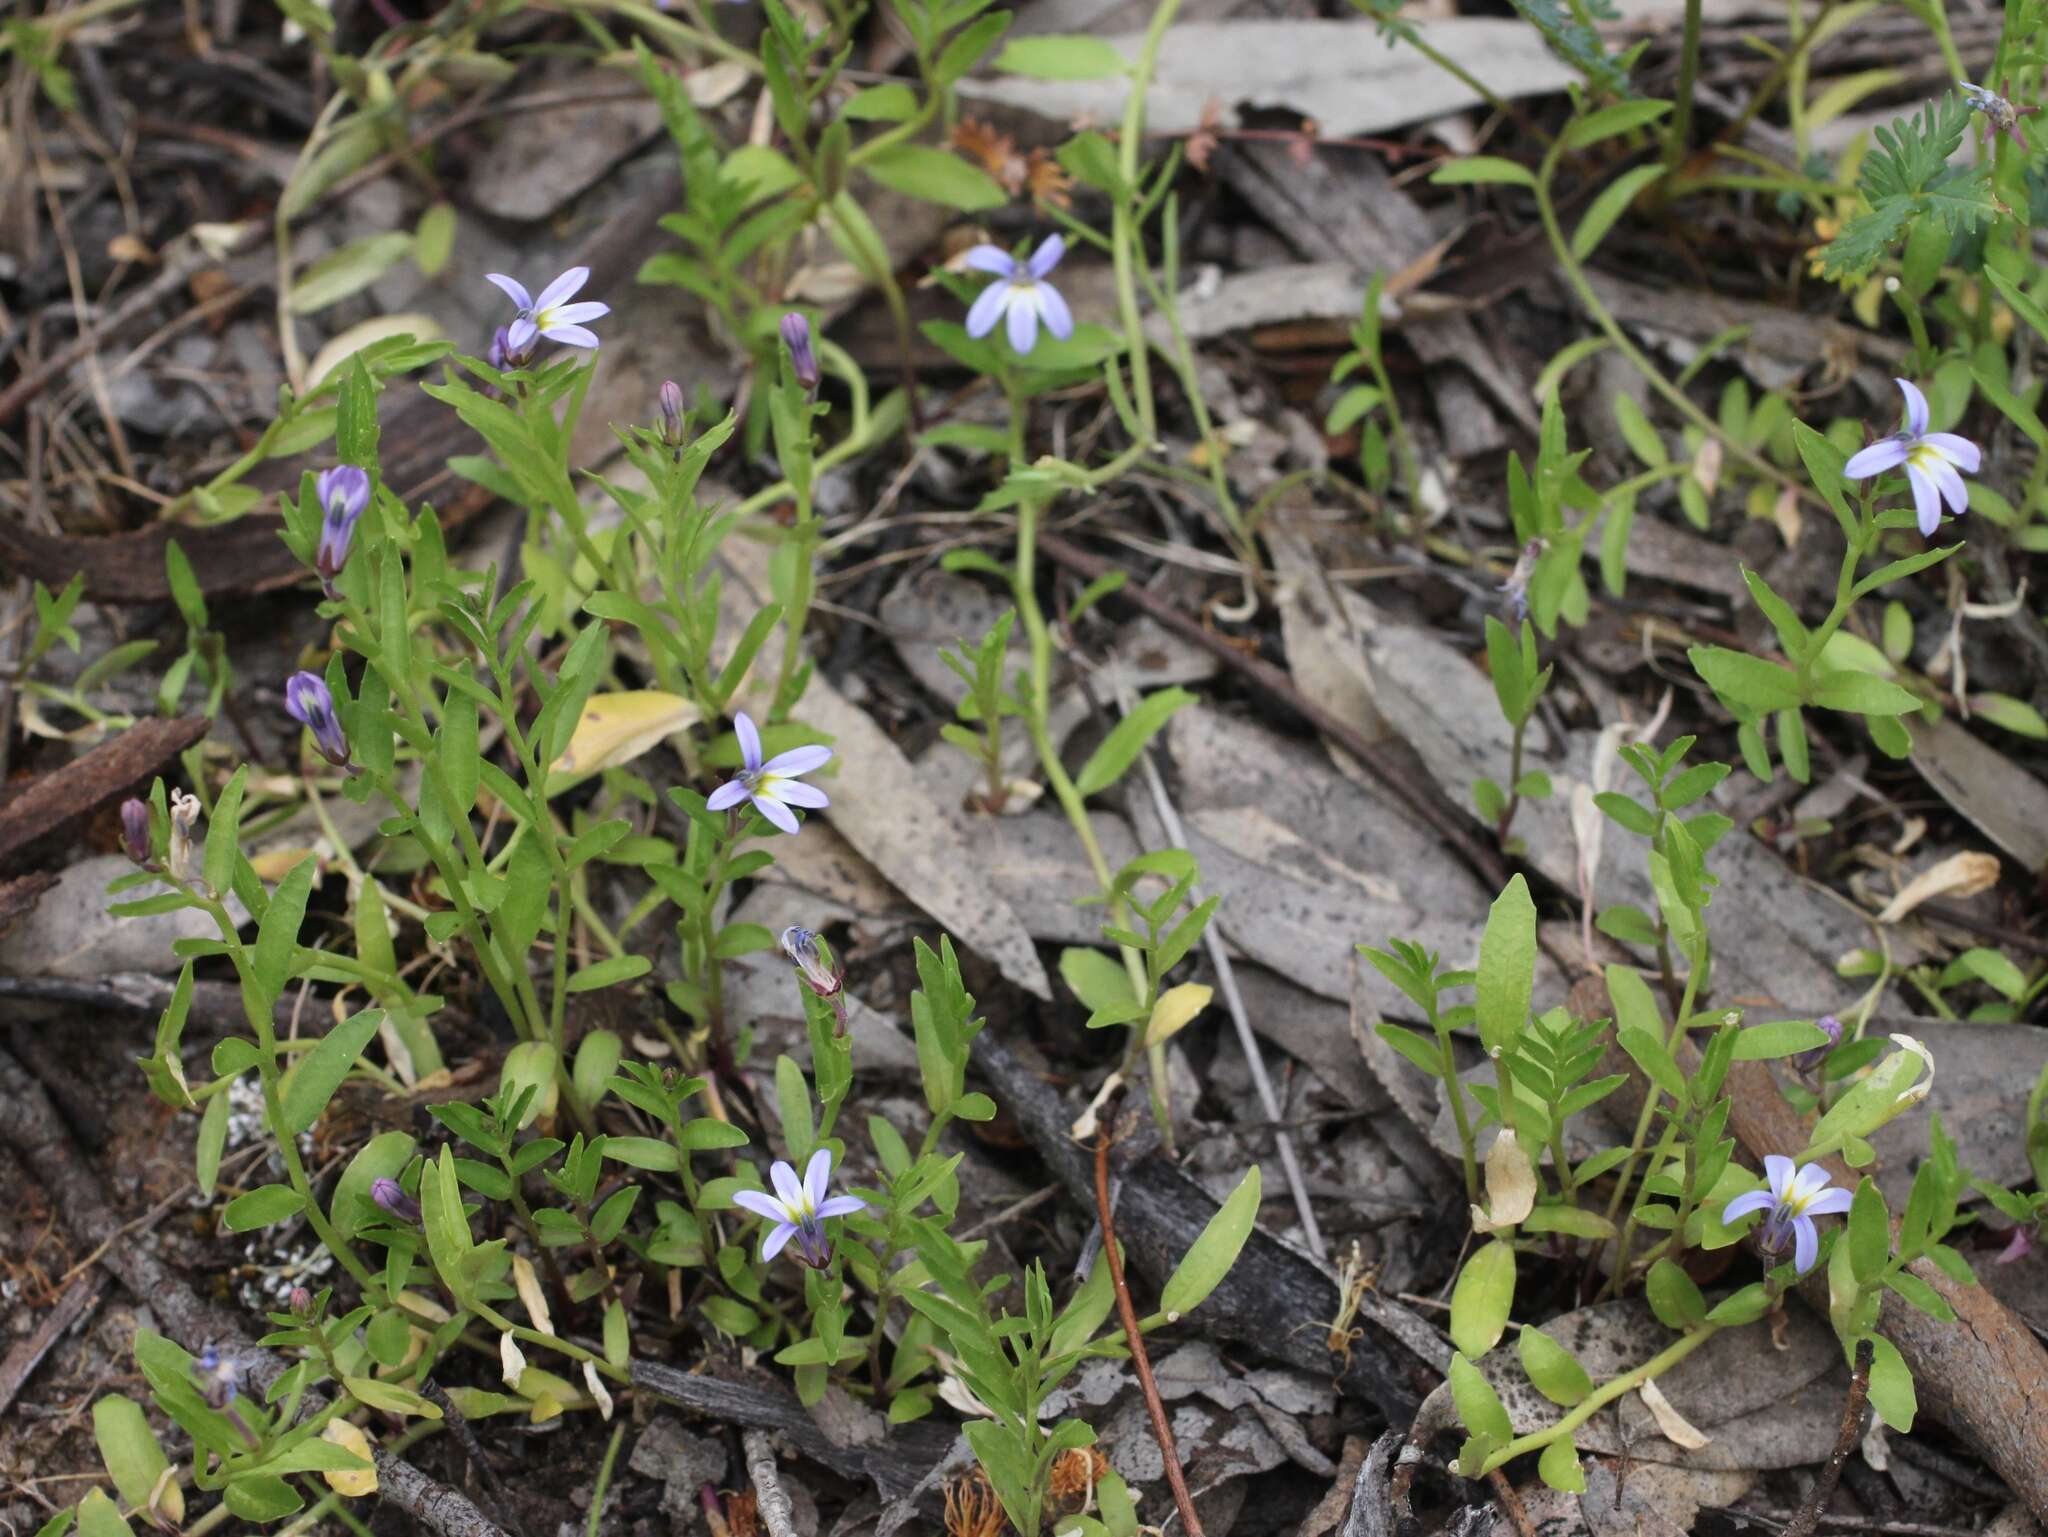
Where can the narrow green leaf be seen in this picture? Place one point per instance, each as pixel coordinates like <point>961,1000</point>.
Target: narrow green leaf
<point>1210,1257</point>
<point>312,1082</point>
<point>1481,1300</point>
<point>1120,749</point>
<point>1507,966</point>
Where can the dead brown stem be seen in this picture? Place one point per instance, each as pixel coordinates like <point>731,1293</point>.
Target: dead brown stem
<point>1808,1519</point>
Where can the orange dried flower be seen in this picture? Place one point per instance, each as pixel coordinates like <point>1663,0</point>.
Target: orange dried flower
<point>972,1509</point>
<point>1046,181</point>
<point>996,151</point>
<point>743,1514</point>
<point>1077,1471</point>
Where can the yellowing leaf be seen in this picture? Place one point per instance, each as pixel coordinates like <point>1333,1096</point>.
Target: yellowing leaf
<point>1175,1008</point>
<point>1510,1186</point>
<point>617,728</point>
<point>1676,1427</point>
<point>355,1482</point>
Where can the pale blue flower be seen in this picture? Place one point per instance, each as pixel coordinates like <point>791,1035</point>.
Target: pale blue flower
<point>344,494</point>
<point>1931,460</point>
<point>1794,1199</point>
<point>798,1208</point>
<point>307,701</point>
<point>551,315</point>
<point>772,786</point>
<point>1021,292</point>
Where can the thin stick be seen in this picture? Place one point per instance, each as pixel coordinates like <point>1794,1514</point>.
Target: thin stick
<point>1140,1361</point>
<point>772,1500</point>
<point>1440,817</point>
<point>1808,1519</point>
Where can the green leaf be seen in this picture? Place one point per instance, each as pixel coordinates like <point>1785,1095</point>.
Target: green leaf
<point>1648,1052</point>
<point>1824,464</point>
<point>213,1137</point>
<point>223,834</point>
<point>99,1516</point>
<point>1620,118</point>
<point>1777,1038</point>
<point>1610,205</point>
<point>1870,1233</point>
<point>1482,170</point>
<point>1061,57</point>
<point>1570,1220</point>
<point>1741,1307</point>
<point>433,238</point>
<point>1891,1385</point>
<point>391,1398</point>
<point>1481,1300</point>
<point>448,1237</point>
<point>260,1208</point>
<point>1559,1467</point>
<point>1098,981</point>
<point>920,171</point>
<point>1507,967</point>
<point>1554,1370</point>
<point>1673,1296</point>
<point>891,102</point>
<point>1479,1407</point>
<point>1210,1257</point>
<point>1921,1295</point>
<point>312,1082</point>
<point>1861,694</point>
<point>1120,749</point>
<point>1744,681</point>
<point>609,972</point>
<point>129,1449</point>
<point>348,271</point>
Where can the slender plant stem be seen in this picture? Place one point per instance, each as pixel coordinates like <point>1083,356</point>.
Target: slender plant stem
<point>1602,1396</point>
<point>1679,136</point>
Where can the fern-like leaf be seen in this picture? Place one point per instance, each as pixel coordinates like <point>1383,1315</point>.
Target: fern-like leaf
<point>1577,44</point>
<point>1906,177</point>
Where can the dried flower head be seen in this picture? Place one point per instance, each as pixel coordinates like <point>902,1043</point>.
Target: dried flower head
<point>972,1509</point>
<point>1076,1472</point>
<point>743,1514</point>
<point>185,853</point>
<point>821,975</point>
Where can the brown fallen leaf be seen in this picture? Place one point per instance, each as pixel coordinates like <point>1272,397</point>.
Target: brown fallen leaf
<point>1959,875</point>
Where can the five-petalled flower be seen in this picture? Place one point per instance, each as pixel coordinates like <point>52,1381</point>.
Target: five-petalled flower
<point>344,494</point>
<point>307,701</point>
<point>1021,292</point>
<point>551,315</point>
<point>772,785</point>
<point>1795,1197</point>
<point>1931,460</point>
<point>798,1208</point>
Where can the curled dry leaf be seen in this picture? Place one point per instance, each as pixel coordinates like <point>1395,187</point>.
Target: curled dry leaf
<point>1959,875</point>
<point>1510,1186</point>
<point>1176,1008</point>
<point>1677,1429</point>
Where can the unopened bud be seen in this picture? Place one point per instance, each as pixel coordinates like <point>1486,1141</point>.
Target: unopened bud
<point>390,1195</point>
<point>1808,1062</point>
<point>135,830</point>
<point>671,413</point>
<point>803,360</point>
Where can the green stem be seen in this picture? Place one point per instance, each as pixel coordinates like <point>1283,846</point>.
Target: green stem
<point>1457,1095</point>
<point>1602,1396</point>
<point>1679,137</point>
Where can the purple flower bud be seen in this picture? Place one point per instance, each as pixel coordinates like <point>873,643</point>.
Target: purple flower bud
<point>803,362</point>
<point>2017,1247</point>
<point>390,1195</point>
<point>503,355</point>
<point>135,830</point>
<point>302,1302</point>
<point>671,413</point>
<point>219,1376</point>
<point>1806,1063</point>
<point>344,493</point>
<point>801,946</point>
<point>308,702</point>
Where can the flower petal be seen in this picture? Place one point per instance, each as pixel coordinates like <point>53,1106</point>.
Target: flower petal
<point>1884,454</point>
<point>798,760</point>
<point>817,1175</point>
<point>731,793</point>
<point>840,1206</point>
<point>782,1175</point>
<point>988,308</point>
<point>1047,256</point>
<point>1829,1202</point>
<point>1954,489</point>
<point>1023,318</point>
<point>563,289</point>
<point>750,741</point>
<point>520,334</point>
<point>1805,1244</point>
<point>794,792</point>
<point>1810,1179</point>
<point>1779,1170</point>
<point>777,1240</point>
<point>1741,1206</point>
<point>571,336</point>
<point>1958,450</point>
<point>1058,318</point>
<point>1926,500</point>
<point>1916,407</point>
<point>573,314</point>
<point>512,288</point>
<point>989,258</point>
<point>777,813</point>
<point>761,1204</point>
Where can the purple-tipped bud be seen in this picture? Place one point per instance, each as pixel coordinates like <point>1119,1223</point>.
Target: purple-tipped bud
<point>135,830</point>
<point>302,1302</point>
<point>1806,1063</point>
<point>803,360</point>
<point>390,1195</point>
<point>307,701</point>
<point>344,493</point>
<point>671,413</point>
<point>822,977</point>
<point>219,1376</point>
